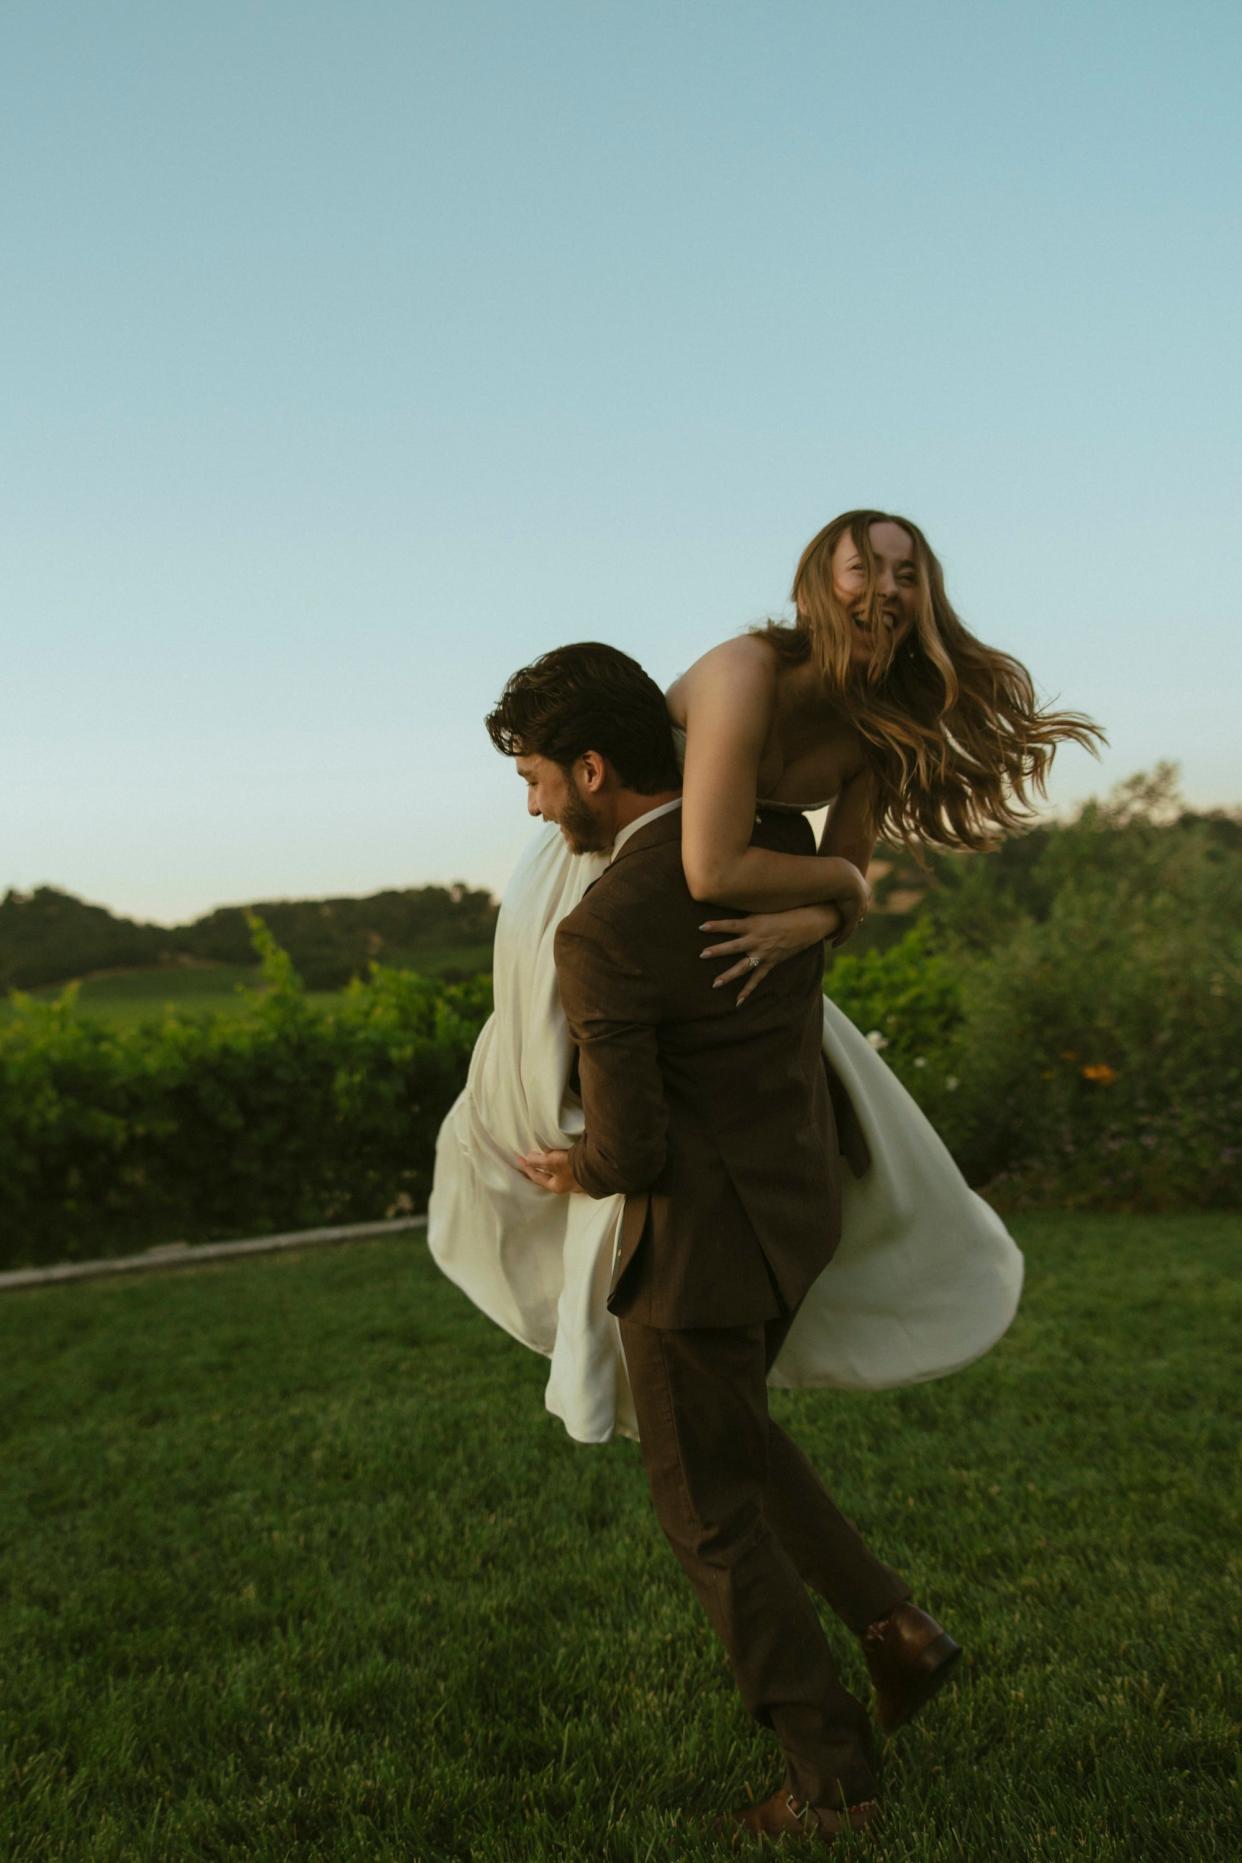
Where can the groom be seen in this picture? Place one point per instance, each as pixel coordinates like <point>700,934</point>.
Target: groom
<point>715,1123</point>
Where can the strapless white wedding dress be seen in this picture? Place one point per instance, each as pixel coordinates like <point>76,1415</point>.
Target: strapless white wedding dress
<point>926,1277</point>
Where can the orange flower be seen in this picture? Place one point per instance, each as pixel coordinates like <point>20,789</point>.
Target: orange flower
<point>1100,1072</point>
<point>1069,1054</point>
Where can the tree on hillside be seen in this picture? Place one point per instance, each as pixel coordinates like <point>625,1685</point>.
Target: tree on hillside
<point>979,900</point>
<point>332,940</point>
<point>49,936</point>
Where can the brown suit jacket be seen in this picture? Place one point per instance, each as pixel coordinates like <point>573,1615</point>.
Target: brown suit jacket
<point>714,1121</point>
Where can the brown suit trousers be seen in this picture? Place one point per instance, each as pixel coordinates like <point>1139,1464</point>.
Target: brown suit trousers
<point>753,1527</point>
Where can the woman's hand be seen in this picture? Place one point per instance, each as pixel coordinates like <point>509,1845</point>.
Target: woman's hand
<point>766,939</point>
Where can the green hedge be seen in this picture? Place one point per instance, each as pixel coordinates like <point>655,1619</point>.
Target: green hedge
<point>1087,1051</point>
<point>280,1115</point>
<point>1071,1022</point>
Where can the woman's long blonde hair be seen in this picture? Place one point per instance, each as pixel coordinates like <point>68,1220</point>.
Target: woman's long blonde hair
<point>956,741</point>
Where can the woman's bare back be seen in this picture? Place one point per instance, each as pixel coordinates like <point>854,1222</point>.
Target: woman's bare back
<point>810,751</point>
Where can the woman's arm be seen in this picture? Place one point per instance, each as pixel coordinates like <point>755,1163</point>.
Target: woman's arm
<point>730,698</point>
<point>849,831</point>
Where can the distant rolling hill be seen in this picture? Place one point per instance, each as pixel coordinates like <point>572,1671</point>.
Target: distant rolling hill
<point>52,937</point>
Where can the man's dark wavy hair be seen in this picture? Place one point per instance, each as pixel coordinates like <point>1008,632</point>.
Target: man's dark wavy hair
<point>589,696</point>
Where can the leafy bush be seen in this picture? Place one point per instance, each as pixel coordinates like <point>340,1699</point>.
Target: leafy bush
<point>1069,1015</point>
<point>1105,1039</point>
<point>1084,1048</point>
<point>281,1116</point>
<point>907,1000</point>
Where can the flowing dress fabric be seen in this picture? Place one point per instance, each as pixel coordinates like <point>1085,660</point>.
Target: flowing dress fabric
<point>925,1279</point>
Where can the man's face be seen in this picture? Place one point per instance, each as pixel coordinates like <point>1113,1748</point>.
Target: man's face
<point>557,796</point>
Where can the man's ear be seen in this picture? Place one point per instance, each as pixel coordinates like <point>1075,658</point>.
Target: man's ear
<point>594,771</point>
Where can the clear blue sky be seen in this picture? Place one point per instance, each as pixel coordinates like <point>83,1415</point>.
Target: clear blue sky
<point>357,352</point>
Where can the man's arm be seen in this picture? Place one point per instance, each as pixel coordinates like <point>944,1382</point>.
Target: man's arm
<point>611,1006</point>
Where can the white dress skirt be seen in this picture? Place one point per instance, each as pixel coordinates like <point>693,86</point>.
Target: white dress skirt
<point>925,1279</point>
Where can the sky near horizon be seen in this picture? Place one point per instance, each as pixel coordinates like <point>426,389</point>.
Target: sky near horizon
<point>357,353</point>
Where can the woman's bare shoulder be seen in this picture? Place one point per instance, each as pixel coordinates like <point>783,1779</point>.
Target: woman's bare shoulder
<point>744,663</point>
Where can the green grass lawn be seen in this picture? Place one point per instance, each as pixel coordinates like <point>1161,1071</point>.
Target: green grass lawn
<point>296,1566</point>
<point>127,997</point>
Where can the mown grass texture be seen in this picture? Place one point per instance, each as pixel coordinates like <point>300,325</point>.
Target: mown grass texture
<point>126,998</point>
<point>296,1566</point>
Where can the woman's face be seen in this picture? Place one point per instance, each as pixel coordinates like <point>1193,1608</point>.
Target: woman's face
<point>897,585</point>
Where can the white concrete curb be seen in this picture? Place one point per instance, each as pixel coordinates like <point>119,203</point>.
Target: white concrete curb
<point>190,1254</point>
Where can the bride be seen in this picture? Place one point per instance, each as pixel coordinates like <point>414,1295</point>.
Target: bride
<point>878,702</point>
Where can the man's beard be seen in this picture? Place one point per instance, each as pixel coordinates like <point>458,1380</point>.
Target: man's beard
<point>579,826</point>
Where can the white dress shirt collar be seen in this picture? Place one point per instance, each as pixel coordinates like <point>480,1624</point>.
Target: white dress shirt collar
<point>640,821</point>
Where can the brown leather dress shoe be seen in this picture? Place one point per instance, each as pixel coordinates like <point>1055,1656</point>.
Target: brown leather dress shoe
<point>783,1815</point>
<point>909,1657</point>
